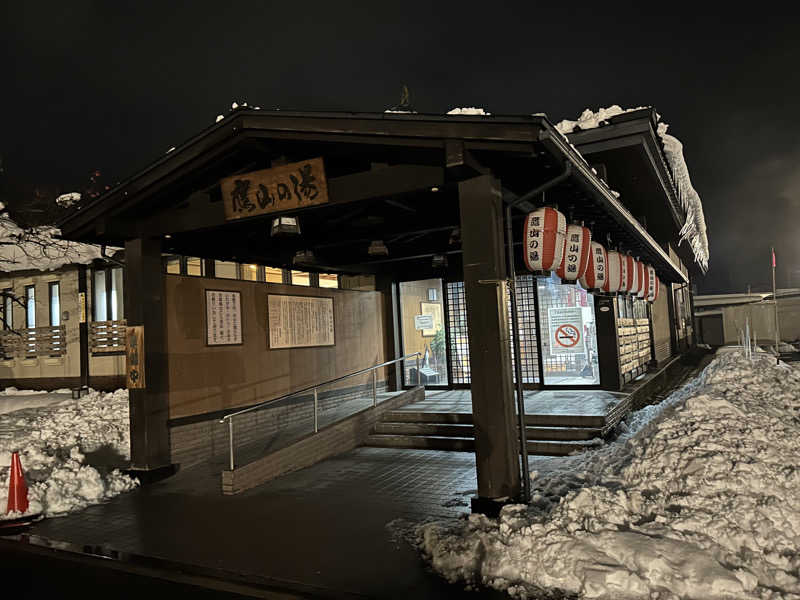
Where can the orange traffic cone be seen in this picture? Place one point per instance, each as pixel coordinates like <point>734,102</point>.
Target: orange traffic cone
<point>17,489</point>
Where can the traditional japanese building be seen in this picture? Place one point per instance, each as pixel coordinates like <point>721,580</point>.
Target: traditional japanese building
<point>279,252</point>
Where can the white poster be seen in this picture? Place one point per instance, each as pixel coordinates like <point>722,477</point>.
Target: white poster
<point>223,318</point>
<point>300,321</point>
<point>566,330</point>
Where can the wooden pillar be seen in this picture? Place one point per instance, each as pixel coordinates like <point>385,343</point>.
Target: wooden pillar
<point>83,325</point>
<point>605,322</point>
<point>391,330</point>
<point>145,305</point>
<point>493,409</point>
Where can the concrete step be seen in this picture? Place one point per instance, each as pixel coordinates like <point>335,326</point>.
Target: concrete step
<point>541,448</point>
<point>409,416</point>
<point>448,430</point>
<point>421,442</point>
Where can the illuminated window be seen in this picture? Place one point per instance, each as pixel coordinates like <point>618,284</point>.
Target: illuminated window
<point>55,304</point>
<point>194,266</point>
<point>329,280</point>
<point>301,278</point>
<point>226,270</point>
<point>174,265</point>
<point>274,275</point>
<point>30,306</point>
<point>250,272</point>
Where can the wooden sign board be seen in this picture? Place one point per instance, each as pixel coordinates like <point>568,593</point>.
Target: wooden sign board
<point>134,355</point>
<point>295,185</point>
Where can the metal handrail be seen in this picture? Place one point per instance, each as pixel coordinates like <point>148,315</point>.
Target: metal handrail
<point>314,388</point>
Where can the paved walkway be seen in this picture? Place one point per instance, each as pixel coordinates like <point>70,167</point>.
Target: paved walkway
<point>537,402</point>
<point>325,525</point>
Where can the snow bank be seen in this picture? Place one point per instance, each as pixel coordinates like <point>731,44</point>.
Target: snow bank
<point>694,227</point>
<point>39,248</point>
<point>699,499</point>
<point>53,442</point>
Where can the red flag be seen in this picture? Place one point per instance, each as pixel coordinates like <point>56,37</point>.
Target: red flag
<point>773,258</point>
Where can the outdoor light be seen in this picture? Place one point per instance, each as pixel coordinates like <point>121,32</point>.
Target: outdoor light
<point>304,257</point>
<point>285,226</point>
<point>167,236</point>
<point>439,261</point>
<point>434,189</point>
<point>377,248</point>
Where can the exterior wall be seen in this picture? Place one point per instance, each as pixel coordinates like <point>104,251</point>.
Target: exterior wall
<point>208,379</point>
<point>762,320</point>
<point>659,313</point>
<point>60,369</point>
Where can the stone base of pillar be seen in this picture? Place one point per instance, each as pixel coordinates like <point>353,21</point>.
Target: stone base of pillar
<point>490,507</point>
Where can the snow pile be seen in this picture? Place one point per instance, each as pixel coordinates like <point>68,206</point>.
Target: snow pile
<point>470,110</point>
<point>53,442</point>
<point>39,248</point>
<point>700,499</point>
<point>592,120</point>
<point>694,229</point>
<point>67,200</point>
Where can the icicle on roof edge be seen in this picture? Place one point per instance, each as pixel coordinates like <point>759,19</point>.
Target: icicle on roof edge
<point>694,227</point>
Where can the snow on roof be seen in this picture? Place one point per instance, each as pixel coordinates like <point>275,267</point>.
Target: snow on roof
<point>67,200</point>
<point>470,110</point>
<point>694,227</point>
<point>39,248</point>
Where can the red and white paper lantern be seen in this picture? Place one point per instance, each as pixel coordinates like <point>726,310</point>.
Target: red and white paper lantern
<point>641,272</point>
<point>624,281</point>
<point>613,272</point>
<point>631,274</point>
<point>649,283</point>
<point>545,236</point>
<point>596,269</point>
<point>576,254</point>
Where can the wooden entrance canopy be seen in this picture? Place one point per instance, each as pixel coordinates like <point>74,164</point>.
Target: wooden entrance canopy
<point>390,177</point>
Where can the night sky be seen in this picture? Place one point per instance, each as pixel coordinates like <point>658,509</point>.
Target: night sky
<point>113,85</point>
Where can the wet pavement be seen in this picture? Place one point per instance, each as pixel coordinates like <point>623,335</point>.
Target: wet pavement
<point>340,525</point>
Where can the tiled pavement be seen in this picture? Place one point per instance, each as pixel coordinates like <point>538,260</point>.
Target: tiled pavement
<point>560,402</point>
<point>325,525</point>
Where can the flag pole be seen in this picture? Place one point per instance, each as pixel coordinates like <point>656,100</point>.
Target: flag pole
<point>775,299</point>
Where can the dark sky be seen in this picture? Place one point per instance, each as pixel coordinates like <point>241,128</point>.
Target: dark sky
<point>113,85</point>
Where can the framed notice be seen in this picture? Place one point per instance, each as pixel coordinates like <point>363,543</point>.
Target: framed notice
<point>299,321</point>
<point>435,310</point>
<point>223,318</point>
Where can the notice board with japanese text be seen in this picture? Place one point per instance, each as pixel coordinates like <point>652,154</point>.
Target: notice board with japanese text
<point>300,321</point>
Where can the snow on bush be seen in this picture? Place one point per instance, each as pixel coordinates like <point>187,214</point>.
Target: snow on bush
<point>67,200</point>
<point>699,499</point>
<point>52,442</point>
<point>469,110</point>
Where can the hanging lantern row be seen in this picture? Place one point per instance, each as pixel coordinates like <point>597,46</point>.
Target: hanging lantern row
<point>552,245</point>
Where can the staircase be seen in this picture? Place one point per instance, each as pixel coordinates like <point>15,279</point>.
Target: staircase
<point>548,435</point>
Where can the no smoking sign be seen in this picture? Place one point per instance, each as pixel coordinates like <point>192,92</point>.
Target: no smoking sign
<point>567,336</point>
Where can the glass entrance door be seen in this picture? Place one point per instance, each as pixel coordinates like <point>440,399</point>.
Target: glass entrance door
<point>569,336</point>
<point>422,326</point>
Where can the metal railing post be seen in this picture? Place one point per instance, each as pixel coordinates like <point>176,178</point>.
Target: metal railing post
<point>419,375</point>
<point>316,411</point>
<point>230,439</point>
<point>374,388</point>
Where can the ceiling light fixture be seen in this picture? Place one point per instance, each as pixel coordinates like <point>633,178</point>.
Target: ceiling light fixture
<point>377,248</point>
<point>285,226</point>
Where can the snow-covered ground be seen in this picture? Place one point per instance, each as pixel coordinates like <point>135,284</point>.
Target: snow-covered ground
<point>68,448</point>
<point>699,498</point>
